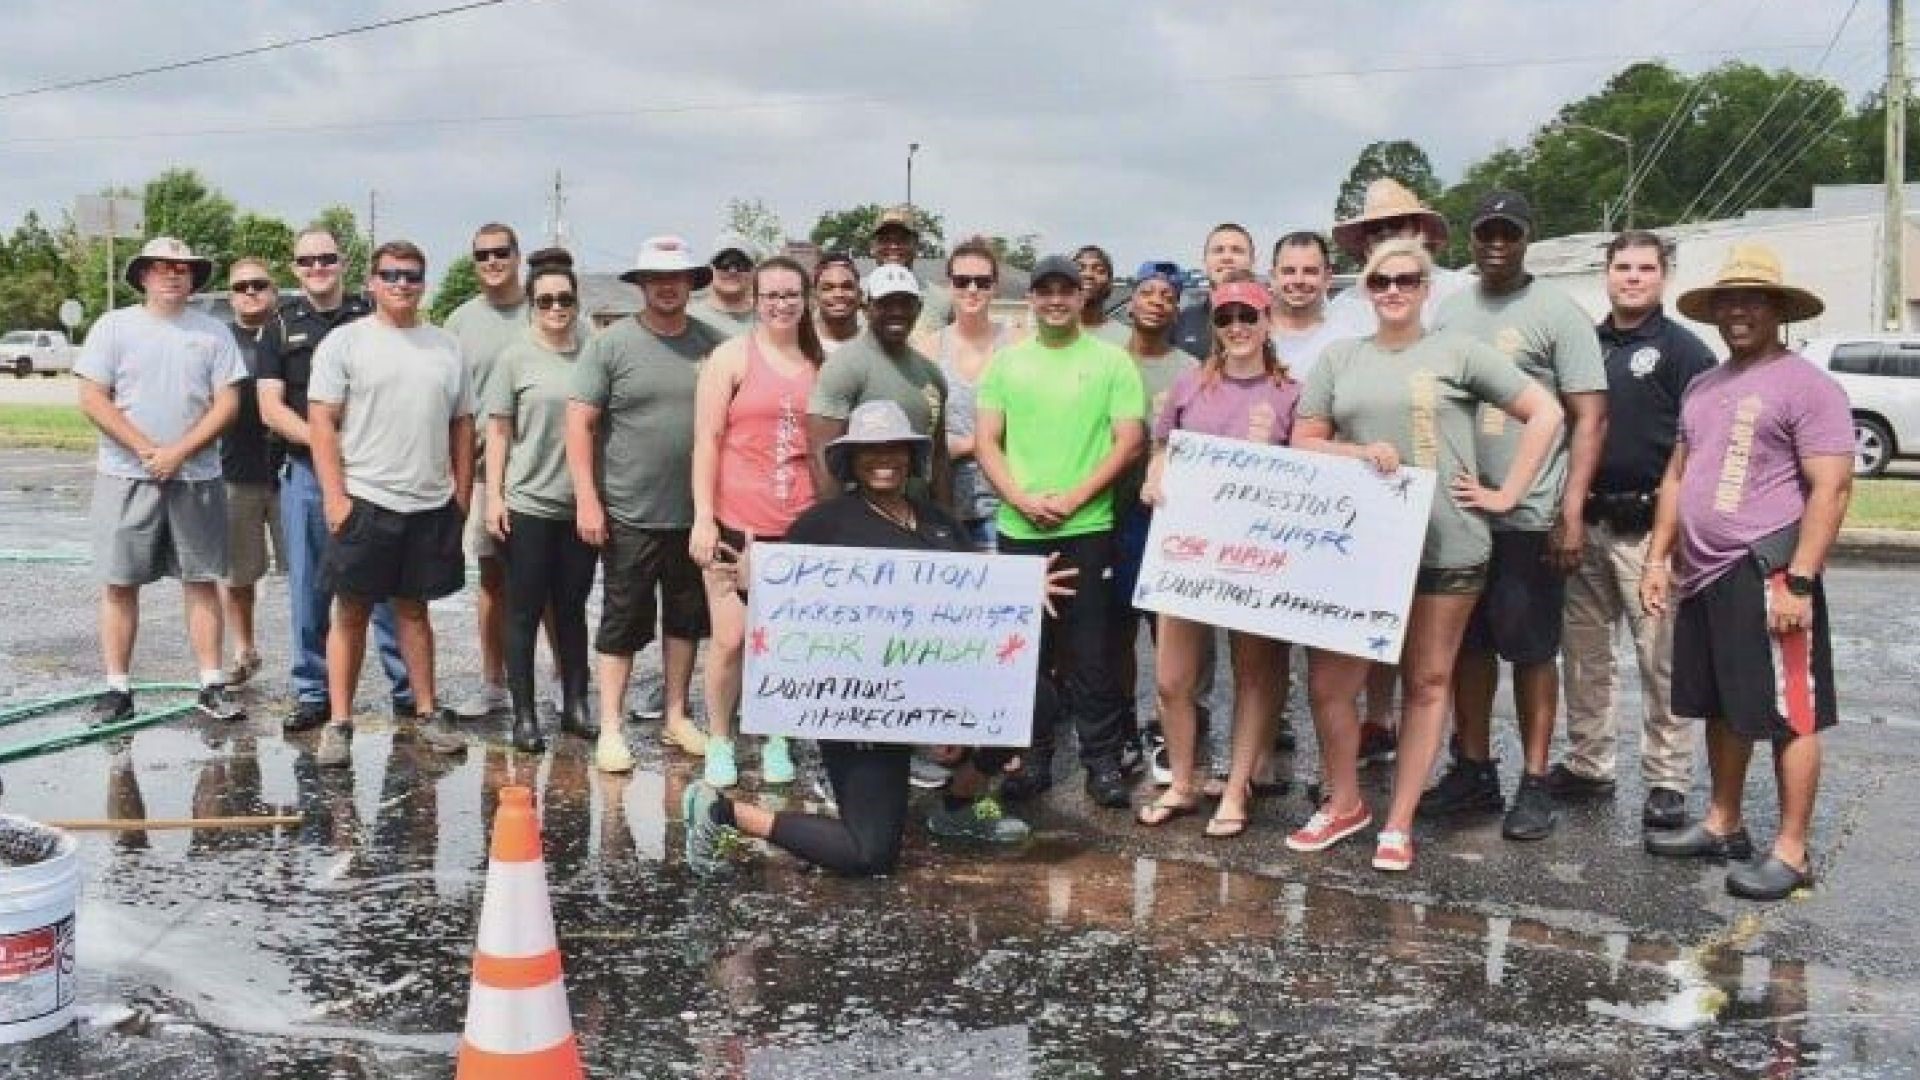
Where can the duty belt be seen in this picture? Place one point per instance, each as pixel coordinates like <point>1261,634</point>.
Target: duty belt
<point>1627,512</point>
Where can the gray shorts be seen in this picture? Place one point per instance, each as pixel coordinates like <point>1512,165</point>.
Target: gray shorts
<point>476,542</point>
<point>145,530</point>
<point>252,513</point>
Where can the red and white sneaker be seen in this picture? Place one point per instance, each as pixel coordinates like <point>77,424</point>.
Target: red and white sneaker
<point>1393,852</point>
<point>1325,828</point>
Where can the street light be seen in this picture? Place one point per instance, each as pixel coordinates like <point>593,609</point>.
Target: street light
<point>1626,189</point>
<point>912,149</point>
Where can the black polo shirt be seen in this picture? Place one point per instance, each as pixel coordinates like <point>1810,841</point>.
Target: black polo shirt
<point>1648,369</point>
<point>286,349</point>
<point>247,456</point>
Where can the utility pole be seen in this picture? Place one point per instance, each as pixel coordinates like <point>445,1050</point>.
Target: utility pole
<point>1893,231</point>
<point>373,219</point>
<point>557,214</point>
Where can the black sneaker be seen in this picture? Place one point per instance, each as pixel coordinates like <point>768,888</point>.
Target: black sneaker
<point>1132,761</point>
<point>1467,786</point>
<point>306,716</point>
<point>111,707</point>
<point>1035,778</point>
<point>1377,745</point>
<point>216,702</point>
<point>1107,786</point>
<point>1532,815</point>
<point>1665,809</point>
<point>1564,783</point>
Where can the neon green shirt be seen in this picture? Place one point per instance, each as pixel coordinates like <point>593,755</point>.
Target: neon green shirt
<point>1060,406</point>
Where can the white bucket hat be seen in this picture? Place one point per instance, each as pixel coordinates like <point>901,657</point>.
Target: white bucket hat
<point>667,255</point>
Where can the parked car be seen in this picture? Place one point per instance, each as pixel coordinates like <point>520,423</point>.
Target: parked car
<point>25,352</point>
<point>1881,375</point>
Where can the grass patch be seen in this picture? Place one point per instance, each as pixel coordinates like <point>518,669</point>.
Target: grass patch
<point>1886,503</point>
<point>48,427</point>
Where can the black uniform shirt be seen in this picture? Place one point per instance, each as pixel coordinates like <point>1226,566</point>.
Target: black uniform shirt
<point>287,347</point>
<point>1648,369</point>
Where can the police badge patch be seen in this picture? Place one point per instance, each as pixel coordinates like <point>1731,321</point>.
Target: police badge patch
<point>1643,362</point>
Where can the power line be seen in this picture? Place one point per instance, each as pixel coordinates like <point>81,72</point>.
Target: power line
<point>1738,193</point>
<point>272,46</point>
<point>1637,178</point>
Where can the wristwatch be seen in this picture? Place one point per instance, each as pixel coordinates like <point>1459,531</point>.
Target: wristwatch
<point>1799,584</point>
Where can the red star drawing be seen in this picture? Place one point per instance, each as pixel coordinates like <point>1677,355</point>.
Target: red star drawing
<point>1011,648</point>
<point>760,641</point>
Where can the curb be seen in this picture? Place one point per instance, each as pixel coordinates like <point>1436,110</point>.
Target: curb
<point>1877,545</point>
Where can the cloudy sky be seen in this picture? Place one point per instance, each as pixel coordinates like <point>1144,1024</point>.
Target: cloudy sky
<point>1124,123</point>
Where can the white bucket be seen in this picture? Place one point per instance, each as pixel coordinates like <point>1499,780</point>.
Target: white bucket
<point>36,931</point>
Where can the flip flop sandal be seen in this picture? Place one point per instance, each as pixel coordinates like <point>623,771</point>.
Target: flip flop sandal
<point>1161,811</point>
<point>1224,828</point>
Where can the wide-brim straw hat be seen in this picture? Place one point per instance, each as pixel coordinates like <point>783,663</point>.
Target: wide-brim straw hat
<point>876,423</point>
<point>167,249</point>
<point>1387,200</point>
<point>1752,268</point>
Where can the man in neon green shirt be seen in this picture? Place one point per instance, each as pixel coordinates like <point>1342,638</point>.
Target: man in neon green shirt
<point>1060,417</point>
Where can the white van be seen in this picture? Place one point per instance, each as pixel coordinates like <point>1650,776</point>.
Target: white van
<point>1881,375</point>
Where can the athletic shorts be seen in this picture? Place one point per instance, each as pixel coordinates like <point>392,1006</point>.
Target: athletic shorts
<point>1129,551</point>
<point>252,512</point>
<point>1519,613</point>
<point>145,530</point>
<point>634,563</point>
<point>1727,665</point>
<point>381,554</point>
<point>475,541</point>
<point>1450,580</point>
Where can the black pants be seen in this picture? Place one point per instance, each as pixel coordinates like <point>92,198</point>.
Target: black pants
<point>548,566</point>
<point>1075,647</point>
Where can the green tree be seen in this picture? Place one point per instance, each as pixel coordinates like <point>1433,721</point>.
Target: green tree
<point>756,221</point>
<point>456,287</point>
<point>35,276</point>
<point>852,230</point>
<point>1020,252</point>
<point>266,238</point>
<point>179,203</point>
<point>1397,159</point>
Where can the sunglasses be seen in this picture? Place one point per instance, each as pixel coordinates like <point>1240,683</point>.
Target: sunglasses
<point>1380,283</point>
<point>307,262</point>
<point>394,275</point>
<point>1235,313</point>
<point>255,285</point>
<point>548,301</point>
<point>733,264</point>
<point>168,267</point>
<point>983,282</point>
<point>493,254</point>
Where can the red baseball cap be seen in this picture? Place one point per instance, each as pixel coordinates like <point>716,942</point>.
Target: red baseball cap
<point>1251,293</point>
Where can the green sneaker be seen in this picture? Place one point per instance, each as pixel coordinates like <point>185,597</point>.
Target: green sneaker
<point>776,760</point>
<point>721,771</point>
<point>981,820</point>
<point>706,842</point>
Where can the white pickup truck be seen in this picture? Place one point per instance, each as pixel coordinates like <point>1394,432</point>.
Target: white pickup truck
<point>25,352</point>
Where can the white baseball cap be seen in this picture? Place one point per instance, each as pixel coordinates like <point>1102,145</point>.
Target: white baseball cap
<point>888,279</point>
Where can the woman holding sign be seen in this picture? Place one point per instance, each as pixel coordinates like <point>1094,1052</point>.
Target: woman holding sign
<point>750,476</point>
<point>1241,392</point>
<point>1404,395</point>
<point>870,786</point>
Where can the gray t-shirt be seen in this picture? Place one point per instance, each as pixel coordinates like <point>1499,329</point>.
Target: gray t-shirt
<point>399,391</point>
<point>1422,400</point>
<point>1300,349</point>
<point>731,324</point>
<point>483,331</point>
<point>973,496</point>
<point>1541,329</point>
<point>861,371</point>
<point>531,386</point>
<point>162,375</point>
<point>644,385</point>
<point>1114,330</point>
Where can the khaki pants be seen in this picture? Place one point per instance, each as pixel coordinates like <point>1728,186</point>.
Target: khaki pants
<point>1606,587</point>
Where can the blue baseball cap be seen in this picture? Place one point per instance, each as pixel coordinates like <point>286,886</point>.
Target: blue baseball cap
<point>1168,272</point>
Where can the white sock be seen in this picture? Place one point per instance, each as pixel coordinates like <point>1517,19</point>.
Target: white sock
<point>212,677</point>
<point>119,682</point>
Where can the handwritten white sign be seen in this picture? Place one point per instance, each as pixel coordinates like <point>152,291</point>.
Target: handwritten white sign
<point>870,644</point>
<point>1308,548</point>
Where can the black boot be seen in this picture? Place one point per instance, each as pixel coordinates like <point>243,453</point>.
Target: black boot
<point>526,721</point>
<point>576,709</point>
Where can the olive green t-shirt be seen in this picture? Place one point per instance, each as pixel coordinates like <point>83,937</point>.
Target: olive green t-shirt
<point>531,386</point>
<point>643,384</point>
<point>1157,375</point>
<point>860,371</point>
<point>1059,406</point>
<point>484,331</point>
<point>731,324</point>
<point>1541,329</point>
<point>1422,399</point>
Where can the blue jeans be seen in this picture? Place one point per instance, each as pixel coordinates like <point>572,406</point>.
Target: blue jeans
<point>303,524</point>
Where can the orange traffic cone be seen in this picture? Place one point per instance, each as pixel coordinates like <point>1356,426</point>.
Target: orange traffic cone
<point>518,1027</point>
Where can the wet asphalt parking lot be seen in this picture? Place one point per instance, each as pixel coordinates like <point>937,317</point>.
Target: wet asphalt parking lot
<point>341,947</point>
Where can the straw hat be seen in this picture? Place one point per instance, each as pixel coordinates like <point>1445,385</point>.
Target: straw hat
<point>1752,268</point>
<point>1386,200</point>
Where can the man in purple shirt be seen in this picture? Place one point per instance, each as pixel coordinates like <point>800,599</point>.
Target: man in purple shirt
<point>1754,494</point>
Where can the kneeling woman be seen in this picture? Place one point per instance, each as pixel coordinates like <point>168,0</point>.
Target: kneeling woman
<point>1404,395</point>
<point>877,455</point>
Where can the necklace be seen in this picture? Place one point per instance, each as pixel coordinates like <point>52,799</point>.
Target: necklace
<point>908,523</point>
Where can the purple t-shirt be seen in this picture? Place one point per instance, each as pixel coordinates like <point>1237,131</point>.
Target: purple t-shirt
<point>1745,431</point>
<point>1252,409</point>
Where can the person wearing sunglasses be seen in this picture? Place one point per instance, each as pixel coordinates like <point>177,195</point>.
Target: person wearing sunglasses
<point>530,508</point>
<point>1242,392</point>
<point>836,300</point>
<point>249,462</point>
<point>485,325</point>
<point>286,365</point>
<point>1403,395</point>
<point>728,305</point>
<point>391,408</point>
<point>751,477</point>
<point>961,350</point>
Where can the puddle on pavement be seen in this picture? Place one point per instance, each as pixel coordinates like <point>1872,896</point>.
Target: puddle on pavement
<point>341,948</point>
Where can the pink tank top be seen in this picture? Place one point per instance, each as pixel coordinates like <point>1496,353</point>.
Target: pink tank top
<point>764,482</point>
